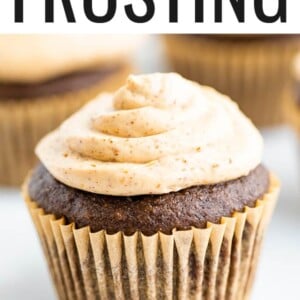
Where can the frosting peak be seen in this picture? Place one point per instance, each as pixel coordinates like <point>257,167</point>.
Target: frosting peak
<point>156,90</point>
<point>149,105</point>
<point>158,133</point>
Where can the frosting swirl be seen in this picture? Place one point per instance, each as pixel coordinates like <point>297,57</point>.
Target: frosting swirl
<point>159,133</point>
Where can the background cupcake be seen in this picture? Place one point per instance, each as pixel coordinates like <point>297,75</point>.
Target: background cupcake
<point>292,107</point>
<point>254,69</point>
<point>154,192</point>
<point>43,79</point>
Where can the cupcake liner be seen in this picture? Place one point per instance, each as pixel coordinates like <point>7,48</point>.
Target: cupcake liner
<point>23,122</point>
<point>216,262</point>
<point>255,73</point>
<point>292,114</point>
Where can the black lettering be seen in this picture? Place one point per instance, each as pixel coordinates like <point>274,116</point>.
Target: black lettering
<point>110,13</point>
<point>218,11</point>
<point>49,11</point>
<point>173,13</point>
<point>199,18</point>
<point>150,10</point>
<point>280,15</point>
<point>238,7</point>
<point>19,11</point>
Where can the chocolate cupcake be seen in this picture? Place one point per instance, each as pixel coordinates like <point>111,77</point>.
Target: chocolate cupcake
<point>43,80</point>
<point>154,192</point>
<point>252,69</point>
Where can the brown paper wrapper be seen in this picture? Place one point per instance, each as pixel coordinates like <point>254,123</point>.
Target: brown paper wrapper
<point>217,262</point>
<point>24,122</point>
<point>292,113</point>
<point>255,73</point>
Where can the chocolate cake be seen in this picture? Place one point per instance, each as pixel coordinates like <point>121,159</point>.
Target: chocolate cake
<point>194,206</point>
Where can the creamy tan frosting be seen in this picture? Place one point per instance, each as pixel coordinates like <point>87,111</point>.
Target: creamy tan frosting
<point>36,58</point>
<point>159,133</point>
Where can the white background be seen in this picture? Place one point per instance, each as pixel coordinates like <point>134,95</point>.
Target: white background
<point>34,20</point>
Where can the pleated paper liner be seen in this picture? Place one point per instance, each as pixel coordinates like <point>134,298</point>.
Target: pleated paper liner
<point>292,113</point>
<point>217,262</point>
<point>24,122</point>
<point>255,74</point>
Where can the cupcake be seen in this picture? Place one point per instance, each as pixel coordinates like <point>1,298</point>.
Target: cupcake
<point>253,69</point>
<point>154,192</point>
<point>43,80</point>
<point>292,107</point>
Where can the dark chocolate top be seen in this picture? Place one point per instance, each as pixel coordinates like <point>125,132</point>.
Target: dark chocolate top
<point>63,84</point>
<point>193,206</point>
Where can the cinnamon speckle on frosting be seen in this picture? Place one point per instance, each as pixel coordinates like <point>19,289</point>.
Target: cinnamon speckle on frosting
<point>164,132</point>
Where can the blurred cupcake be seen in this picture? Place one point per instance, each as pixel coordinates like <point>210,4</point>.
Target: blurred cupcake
<point>43,79</point>
<point>253,69</point>
<point>155,192</point>
<point>293,106</point>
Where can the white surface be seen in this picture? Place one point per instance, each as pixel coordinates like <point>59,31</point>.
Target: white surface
<point>23,271</point>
